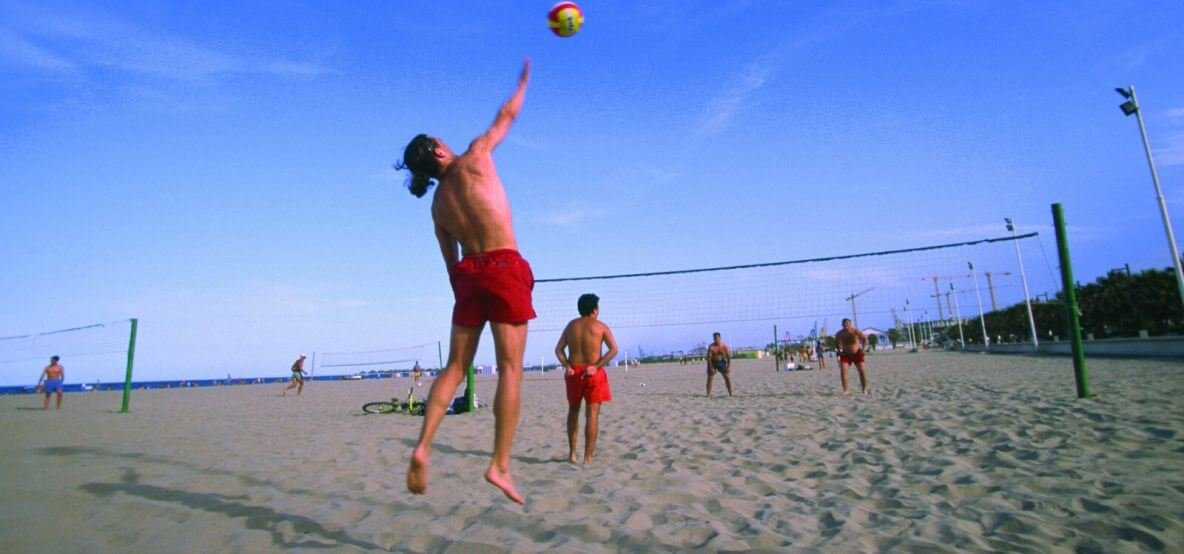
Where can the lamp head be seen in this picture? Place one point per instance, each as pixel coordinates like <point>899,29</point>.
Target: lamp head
<point>1124,92</point>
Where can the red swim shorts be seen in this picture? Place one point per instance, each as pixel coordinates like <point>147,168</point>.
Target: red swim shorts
<point>856,358</point>
<point>593,389</point>
<point>492,286</point>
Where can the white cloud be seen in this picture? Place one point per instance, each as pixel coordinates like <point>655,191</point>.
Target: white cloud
<point>724,108</point>
<point>571,218</point>
<point>99,41</point>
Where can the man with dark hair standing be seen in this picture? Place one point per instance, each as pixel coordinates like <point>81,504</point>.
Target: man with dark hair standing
<point>849,343</point>
<point>719,359</point>
<point>53,377</point>
<point>584,373</point>
<point>492,282</point>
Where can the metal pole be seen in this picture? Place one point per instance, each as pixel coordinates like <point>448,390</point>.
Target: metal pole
<point>991,289</point>
<point>958,315</point>
<point>1079,370</point>
<point>937,293</point>
<point>854,316</point>
<point>470,389</point>
<point>981,319</point>
<point>912,338</point>
<point>1163,207</point>
<point>776,350</point>
<point>1024,280</point>
<point>440,354</point>
<point>131,358</point>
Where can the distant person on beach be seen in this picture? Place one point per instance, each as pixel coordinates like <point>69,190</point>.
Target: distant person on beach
<point>850,343</point>
<point>416,373</point>
<point>492,282</point>
<point>297,377</point>
<point>584,374</point>
<point>51,381</point>
<point>821,354</point>
<point>719,359</point>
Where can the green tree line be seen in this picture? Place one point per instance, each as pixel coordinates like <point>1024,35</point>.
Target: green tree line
<point>1118,304</point>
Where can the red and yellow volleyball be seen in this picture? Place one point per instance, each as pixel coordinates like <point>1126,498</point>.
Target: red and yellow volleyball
<point>565,19</point>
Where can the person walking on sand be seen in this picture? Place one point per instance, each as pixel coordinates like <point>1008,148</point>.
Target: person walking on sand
<point>492,282</point>
<point>51,381</point>
<point>297,377</point>
<point>719,359</point>
<point>584,374</point>
<point>850,343</point>
<point>415,374</point>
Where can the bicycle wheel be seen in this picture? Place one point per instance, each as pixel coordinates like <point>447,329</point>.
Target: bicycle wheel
<point>378,408</point>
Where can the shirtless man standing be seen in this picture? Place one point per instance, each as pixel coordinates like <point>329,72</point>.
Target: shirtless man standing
<point>491,283</point>
<point>719,358</point>
<point>54,375</point>
<point>850,343</point>
<point>585,376</point>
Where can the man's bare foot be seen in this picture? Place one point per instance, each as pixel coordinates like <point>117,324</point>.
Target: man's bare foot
<point>503,481</point>
<point>587,461</point>
<point>417,474</point>
<point>846,393</point>
<point>867,392</point>
<point>572,458</point>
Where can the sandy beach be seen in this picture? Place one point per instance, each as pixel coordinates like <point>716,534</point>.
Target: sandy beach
<point>951,453</point>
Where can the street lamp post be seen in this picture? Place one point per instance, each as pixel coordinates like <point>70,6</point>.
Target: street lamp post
<point>1024,279</point>
<point>981,319</point>
<point>1131,106</point>
<point>912,338</point>
<point>958,316</point>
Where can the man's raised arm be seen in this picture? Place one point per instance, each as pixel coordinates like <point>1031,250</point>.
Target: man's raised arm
<point>505,116</point>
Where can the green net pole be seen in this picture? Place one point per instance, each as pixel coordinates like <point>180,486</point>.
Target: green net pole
<point>470,383</point>
<point>131,358</point>
<point>776,350</point>
<point>1082,377</point>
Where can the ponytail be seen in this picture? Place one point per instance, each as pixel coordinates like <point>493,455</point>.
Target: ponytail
<point>420,159</point>
<point>419,184</point>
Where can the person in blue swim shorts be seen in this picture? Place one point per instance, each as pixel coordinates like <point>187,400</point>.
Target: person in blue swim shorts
<point>51,381</point>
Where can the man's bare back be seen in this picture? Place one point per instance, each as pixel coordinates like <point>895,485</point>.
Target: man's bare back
<point>583,338</point>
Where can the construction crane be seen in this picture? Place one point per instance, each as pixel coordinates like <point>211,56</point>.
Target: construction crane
<point>854,295</point>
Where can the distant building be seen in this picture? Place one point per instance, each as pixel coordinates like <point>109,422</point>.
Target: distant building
<point>881,336</point>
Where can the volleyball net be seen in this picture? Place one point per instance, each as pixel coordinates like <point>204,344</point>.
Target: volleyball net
<point>97,356</point>
<point>387,360</point>
<point>676,311</point>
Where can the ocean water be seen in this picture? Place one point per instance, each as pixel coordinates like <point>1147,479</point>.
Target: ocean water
<point>173,384</point>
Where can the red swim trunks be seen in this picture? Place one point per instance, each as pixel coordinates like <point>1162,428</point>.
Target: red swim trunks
<point>593,389</point>
<point>492,286</point>
<point>856,358</point>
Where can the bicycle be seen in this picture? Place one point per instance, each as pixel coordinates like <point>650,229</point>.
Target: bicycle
<point>394,406</point>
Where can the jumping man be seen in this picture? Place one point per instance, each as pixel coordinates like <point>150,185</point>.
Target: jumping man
<point>850,343</point>
<point>719,359</point>
<point>491,283</point>
<point>585,376</point>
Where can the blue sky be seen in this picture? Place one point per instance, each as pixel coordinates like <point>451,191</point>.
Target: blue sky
<point>223,171</point>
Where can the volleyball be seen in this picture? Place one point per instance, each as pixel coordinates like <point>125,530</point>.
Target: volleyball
<point>565,19</point>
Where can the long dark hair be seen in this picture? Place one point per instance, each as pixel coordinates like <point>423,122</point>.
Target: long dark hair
<point>419,158</point>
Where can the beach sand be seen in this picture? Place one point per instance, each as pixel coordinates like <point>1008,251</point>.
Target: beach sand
<point>951,453</point>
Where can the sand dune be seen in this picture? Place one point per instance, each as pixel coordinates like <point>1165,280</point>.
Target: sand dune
<point>950,453</point>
